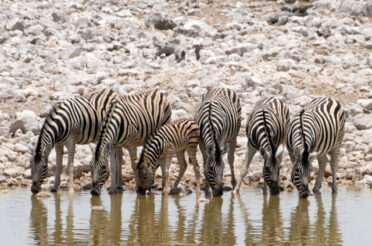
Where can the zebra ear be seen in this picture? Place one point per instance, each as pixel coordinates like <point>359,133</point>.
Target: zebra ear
<point>279,151</point>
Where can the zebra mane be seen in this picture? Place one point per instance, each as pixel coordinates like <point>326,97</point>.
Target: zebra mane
<point>217,153</point>
<point>39,146</point>
<point>306,150</point>
<point>267,131</point>
<point>104,128</point>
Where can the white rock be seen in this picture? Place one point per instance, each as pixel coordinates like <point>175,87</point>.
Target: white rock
<point>366,104</point>
<point>18,147</point>
<point>363,122</point>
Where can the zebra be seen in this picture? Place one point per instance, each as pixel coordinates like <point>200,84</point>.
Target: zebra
<point>129,122</point>
<point>177,137</point>
<point>317,130</point>
<point>69,122</point>
<point>219,119</point>
<point>266,131</point>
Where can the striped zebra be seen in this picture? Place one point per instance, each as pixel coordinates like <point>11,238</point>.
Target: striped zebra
<point>317,130</point>
<point>177,138</point>
<point>266,130</point>
<point>219,119</point>
<point>129,122</point>
<point>70,122</point>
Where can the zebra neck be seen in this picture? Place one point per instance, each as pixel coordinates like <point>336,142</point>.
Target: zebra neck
<point>44,146</point>
<point>154,150</point>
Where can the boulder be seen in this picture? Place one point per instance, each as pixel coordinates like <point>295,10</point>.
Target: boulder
<point>363,122</point>
<point>26,121</point>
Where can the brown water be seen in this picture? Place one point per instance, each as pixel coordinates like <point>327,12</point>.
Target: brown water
<point>131,219</point>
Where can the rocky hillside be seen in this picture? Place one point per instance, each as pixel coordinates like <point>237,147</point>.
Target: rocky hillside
<point>53,50</point>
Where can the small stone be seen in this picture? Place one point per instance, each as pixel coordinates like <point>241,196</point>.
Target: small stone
<point>11,172</point>
<point>283,20</point>
<point>75,53</point>
<point>18,26</point>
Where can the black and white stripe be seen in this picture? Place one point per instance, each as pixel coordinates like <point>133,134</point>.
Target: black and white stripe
<point>317,130</point>
<point>266,130</point>
<point>219,119</point>
<point>177,138</point>
<point>129,122</point>
<point>70,122</point>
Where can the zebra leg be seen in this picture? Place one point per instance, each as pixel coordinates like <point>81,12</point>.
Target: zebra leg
<point>231,158</point>
<point>334,164</point>
<point>59,157</point>
<point>165,175</point>
<point>322,161</point>
<point>70,165</point>
<point>191,152</point>
<point>183,166</point>
<point>265,188</point>
<point>133,161</point>
<point>116,158</point>
<point>248,158</point>
<point>202,150</point>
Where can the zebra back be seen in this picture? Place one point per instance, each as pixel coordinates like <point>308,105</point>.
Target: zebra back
<point>73,118</point>
<point>171,137</point>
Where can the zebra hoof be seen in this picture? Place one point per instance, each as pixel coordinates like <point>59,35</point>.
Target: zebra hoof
<point>53,189</point>
<point>175,191</point>
<point>154,186</point>
<point>227,188</point>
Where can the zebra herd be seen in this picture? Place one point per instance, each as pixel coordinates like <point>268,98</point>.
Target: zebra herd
<point>144,119</point>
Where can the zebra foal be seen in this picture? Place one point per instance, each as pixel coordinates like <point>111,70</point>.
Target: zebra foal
<point>129,122</point>
<point>70,122</point>
<point>317,130</point>
<point>177,138</point>
<point>219,119</point>
<point>266,131</point>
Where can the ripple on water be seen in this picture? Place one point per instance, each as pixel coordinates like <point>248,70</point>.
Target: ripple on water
<point>128,218</point>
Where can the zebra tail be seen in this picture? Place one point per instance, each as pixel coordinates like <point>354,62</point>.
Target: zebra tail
<point>267,131</point>
<point>306,150</point>
<point>217,151</point>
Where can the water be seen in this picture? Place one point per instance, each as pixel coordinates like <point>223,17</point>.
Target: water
<point>131,219</point>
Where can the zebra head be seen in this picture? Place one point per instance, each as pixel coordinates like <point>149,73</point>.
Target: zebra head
<point>213,170</point>
<point>301,172</point>
<point>39,171</point>
<point>271,169</point>
<point>100,174</point>
<point>146,175</point>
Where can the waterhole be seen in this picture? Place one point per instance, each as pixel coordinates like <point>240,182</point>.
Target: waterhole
<point>131,219</point>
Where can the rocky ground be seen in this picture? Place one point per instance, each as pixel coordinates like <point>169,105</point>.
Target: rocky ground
<point>53,50</point>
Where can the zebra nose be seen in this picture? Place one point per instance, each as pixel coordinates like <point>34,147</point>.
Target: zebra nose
<point>218,191</point>
<point>35,188</point>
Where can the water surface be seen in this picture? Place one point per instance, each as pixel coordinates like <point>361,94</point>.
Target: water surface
<point>131,219</point>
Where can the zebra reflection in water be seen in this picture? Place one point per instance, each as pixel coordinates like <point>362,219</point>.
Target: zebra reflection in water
<point>39,223</point>
<point>105,228</point>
